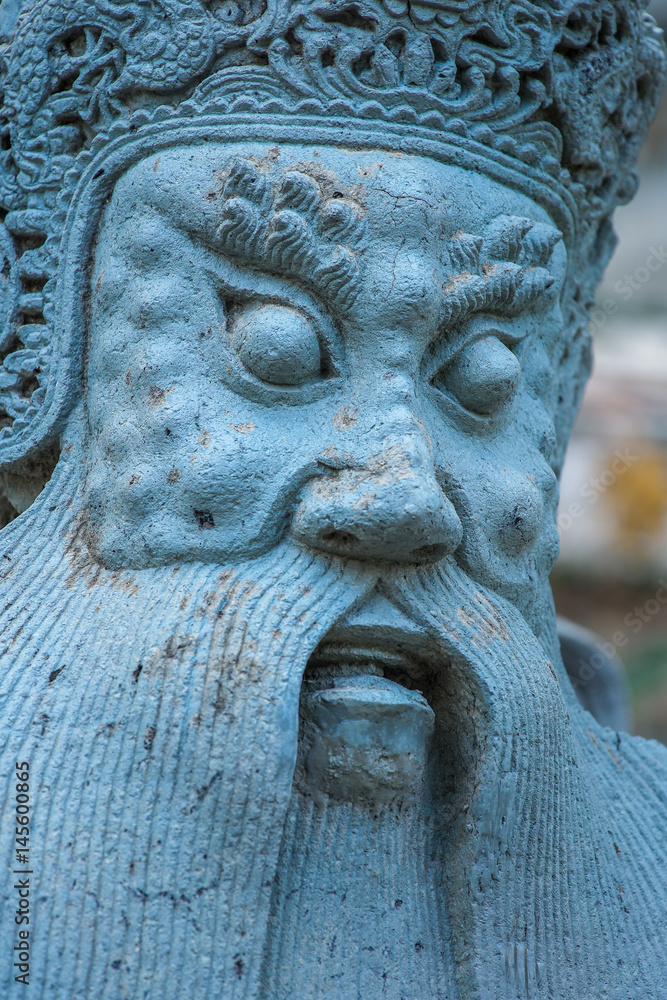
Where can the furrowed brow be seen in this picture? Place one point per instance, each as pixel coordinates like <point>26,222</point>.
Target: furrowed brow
<point>504,271</point>
<point>293,229</point>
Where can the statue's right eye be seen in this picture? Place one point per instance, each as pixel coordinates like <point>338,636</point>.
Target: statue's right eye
<point>276,343</point>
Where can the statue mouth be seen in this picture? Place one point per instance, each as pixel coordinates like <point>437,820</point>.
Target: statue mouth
<point>372,667</point>
<point>377,646</point>
<point>366,720</point>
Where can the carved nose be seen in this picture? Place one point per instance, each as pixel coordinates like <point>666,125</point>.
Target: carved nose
<point>392,508</point>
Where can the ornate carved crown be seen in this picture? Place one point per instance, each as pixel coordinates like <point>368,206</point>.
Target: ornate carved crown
<point>551,96</point>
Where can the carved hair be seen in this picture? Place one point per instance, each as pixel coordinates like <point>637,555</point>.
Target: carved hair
<point>503,271</point>
<point>294,230</point>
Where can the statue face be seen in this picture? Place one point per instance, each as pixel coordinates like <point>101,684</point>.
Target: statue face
<point>348,347</point>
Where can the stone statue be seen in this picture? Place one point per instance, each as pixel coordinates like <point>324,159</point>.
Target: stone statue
<point>295,300</point>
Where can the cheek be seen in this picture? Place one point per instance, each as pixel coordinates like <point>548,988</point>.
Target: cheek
<point>519,513</point>
<point>538,371</point>
<point>192,486</point>
<point>509,516</point>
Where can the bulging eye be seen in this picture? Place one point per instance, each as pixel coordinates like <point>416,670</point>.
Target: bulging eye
<point>277,344</point>
<point>482,377</point>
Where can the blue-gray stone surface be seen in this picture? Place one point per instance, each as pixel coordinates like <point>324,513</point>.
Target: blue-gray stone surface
<point>295,302</point>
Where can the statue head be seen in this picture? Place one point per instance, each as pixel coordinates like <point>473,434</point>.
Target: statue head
<point>300,292</point>
<point>318,273</point>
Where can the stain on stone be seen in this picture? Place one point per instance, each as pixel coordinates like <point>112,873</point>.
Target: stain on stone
<point>204,518</point>
<point>108,729</point>
<point>205,789</point>
<point>176,645</point>
<point>365,501</point>
<point>345,418</point>
<point>156,395</point>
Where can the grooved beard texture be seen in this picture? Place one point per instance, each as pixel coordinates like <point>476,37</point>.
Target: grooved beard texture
<point>360,906</point>
<point>161,761</point>
<point>159,710</point>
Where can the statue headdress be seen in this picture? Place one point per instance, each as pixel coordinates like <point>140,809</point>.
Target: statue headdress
<point>552,97</point>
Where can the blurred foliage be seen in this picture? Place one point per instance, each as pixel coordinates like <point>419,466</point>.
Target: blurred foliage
<point>639,501</point>
<point>646,669</point>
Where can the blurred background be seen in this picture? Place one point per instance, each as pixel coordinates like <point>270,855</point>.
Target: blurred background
<point>612,572</point>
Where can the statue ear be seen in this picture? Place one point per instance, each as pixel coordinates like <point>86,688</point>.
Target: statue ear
<point>572,372</point>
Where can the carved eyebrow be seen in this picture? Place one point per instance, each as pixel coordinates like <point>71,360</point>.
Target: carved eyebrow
<point>503,271</point>
<point>291,228</point>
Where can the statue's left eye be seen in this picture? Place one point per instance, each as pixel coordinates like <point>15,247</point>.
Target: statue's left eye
<point>482,377</point>
<point>276,343</point>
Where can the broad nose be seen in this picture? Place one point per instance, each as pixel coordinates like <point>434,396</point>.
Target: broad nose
<point>388,507</point>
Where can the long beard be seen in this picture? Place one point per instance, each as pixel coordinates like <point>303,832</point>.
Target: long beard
<point>477,887</point>
<point>521,831</point>
<point>159,711</point>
